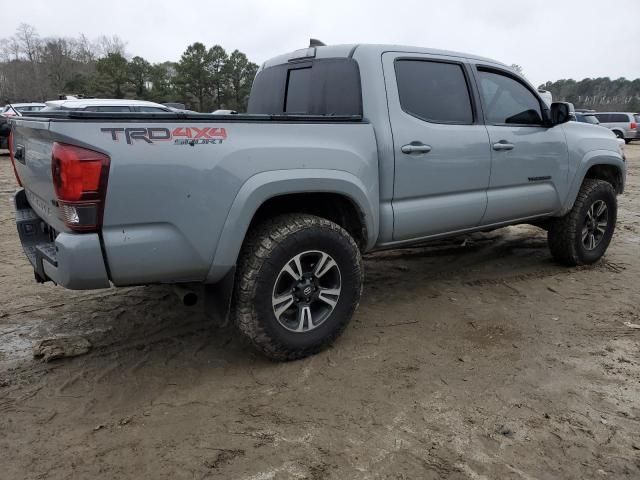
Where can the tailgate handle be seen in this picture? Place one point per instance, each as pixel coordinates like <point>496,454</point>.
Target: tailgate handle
<point>19,154</point>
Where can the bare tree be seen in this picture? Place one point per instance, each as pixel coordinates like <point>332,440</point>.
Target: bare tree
<point>112,45</point>
<point>29,42</point>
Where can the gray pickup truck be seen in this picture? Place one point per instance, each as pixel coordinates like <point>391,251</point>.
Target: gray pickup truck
<point>345,149</point>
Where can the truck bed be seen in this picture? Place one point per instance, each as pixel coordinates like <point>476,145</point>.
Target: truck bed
<point>177,181</point>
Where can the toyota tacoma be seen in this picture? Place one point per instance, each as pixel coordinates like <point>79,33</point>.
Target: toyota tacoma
<point>344,150</point>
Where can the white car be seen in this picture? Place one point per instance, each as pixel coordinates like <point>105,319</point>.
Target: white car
<point>106,105</point>
<point>13,109</point>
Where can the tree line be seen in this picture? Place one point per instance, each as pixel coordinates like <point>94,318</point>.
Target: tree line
<point>33,68</point>
<point>601,94</point>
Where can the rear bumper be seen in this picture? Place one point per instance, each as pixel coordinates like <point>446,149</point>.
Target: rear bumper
<point>73,261</point>
<point>631,134</point>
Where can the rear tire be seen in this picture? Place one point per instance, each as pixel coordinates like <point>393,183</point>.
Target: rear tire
<point>298,283</point>
<point>582,236</point>
<point>627,141</point>
<point>618,134</point>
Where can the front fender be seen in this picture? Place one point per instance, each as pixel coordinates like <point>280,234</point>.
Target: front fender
<point>265,185</point>
<point>590,159</point>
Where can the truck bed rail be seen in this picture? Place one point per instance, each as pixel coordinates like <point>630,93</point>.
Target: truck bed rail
<point>74,115</point>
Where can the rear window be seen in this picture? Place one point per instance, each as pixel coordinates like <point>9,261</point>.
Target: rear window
<point>637,117</point>
<point>298,85</point>
<point>329,86</point>
<point>434,91</point>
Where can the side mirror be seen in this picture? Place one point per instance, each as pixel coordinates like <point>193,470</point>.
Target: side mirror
<point>560,113</point>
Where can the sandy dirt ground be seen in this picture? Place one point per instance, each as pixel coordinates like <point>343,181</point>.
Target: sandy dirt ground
<point>477,358</point>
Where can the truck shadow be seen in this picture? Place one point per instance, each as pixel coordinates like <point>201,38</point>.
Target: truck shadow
<point>134,328</point>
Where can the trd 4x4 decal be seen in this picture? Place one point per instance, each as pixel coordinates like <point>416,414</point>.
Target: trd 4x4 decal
<point>179,135</point>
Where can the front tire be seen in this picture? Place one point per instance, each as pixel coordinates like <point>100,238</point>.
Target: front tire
<point>582,236</point>
<point>298,284</point>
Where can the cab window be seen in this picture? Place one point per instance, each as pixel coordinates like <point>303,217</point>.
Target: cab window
<point>506,101</point>
<point>436,92</point>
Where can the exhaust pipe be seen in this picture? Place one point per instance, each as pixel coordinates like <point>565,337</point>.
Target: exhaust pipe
<point>187,296</point>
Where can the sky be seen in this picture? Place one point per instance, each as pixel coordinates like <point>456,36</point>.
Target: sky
<point>550,40</point>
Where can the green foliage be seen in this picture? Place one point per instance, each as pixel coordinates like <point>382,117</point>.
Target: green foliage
<point>192,78</point>
<point>112,75</point>
<point>240,73</point>
<point>217,70</point>
<point>139,70</point>
<point>600,94</point>
<point>161,78</point>
<point>214,80</point>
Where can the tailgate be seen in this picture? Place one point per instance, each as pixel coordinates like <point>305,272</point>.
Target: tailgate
<point>32,145</point>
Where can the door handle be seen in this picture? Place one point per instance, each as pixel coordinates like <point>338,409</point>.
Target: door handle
<point>503,145</point>
<point>415,147</point>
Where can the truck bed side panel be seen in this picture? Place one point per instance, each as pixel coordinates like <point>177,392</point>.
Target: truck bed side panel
<point>168,200</point>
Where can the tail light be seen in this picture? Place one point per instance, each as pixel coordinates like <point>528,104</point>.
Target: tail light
<point>13,160</point>
<point>80,179</point>
<point>633,125</point>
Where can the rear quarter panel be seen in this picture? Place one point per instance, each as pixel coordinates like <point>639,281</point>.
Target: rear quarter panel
<point>167,204</point>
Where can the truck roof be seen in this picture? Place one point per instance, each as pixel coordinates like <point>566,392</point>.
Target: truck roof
<point>347,50</point>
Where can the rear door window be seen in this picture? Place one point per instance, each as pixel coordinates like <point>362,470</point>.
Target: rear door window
<point>434,91</point>
<point>619,117</point>
<point>506,101</point>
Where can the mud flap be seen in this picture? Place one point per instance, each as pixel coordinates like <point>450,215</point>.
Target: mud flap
<point>218,297</point>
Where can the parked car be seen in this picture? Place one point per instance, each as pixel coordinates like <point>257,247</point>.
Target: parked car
<point>11,110</point>
<point>273,209</point>
<point>105,105</point>
<point>623,124</point>
<point>546,96</point>
<point>586,118</point>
